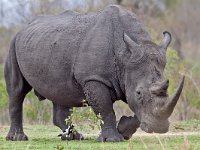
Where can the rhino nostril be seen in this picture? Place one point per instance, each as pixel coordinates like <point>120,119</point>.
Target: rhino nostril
<point>145,127</point>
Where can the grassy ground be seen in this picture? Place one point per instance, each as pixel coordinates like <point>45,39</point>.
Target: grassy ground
<point>45,137</point>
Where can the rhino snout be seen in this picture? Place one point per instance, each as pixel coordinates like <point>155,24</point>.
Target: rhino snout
<point>156,128</point>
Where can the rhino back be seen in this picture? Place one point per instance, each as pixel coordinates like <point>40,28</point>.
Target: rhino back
<point>56,51</point>
<point>46,52</point>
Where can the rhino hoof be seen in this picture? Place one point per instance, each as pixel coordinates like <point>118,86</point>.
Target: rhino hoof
<point>67,137</point>
<point>73,136</point>
<point>16,137</point>
<point>116,138</point>
<point>78,136</point>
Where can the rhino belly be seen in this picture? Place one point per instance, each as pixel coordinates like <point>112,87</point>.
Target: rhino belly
<point>54,84</point>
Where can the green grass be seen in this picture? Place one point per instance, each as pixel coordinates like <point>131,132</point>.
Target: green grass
<point>191,125</point>
<point>45,137</point>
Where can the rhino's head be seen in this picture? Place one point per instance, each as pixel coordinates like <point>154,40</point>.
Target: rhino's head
<point>145,86</point>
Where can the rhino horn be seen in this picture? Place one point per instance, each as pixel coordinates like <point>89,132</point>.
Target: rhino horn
<point>168,108</point>
<point>167,39</point>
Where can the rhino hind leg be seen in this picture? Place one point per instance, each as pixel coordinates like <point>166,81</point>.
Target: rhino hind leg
<point>17,88</point>
<point>61,118</point>
<point>99,96</point>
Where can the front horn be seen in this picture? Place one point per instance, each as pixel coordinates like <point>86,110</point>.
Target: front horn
<point>167,39</point>
<point>168,108</point>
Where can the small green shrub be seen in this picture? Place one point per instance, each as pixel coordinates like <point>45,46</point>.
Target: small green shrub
<point>84,117</point>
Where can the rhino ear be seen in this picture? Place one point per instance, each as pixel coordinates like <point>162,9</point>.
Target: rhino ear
<point>167,40</point>
<point>136,52</point>
<point>129,42</point>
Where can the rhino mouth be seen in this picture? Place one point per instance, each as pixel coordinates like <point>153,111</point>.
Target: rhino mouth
<point>145,128</point>
<point>157,128</point>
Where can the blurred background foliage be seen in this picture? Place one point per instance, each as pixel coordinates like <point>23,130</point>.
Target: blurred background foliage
<point>180,17</point>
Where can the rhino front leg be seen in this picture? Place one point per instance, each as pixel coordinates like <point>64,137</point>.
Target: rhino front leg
<point>60,115</point>
<point>99,98</point>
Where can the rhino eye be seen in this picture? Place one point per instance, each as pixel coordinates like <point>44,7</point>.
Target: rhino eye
<point>139,94</point>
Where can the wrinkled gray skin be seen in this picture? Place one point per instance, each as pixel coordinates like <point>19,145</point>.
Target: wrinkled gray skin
<point>101,57</point>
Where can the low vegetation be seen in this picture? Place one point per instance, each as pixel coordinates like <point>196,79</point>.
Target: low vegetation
<point>45,137</point>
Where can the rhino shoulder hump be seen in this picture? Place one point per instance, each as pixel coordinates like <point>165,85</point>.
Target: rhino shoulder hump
<point>113,7</point>
<point>118,12</point>
<point>69,13</point>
